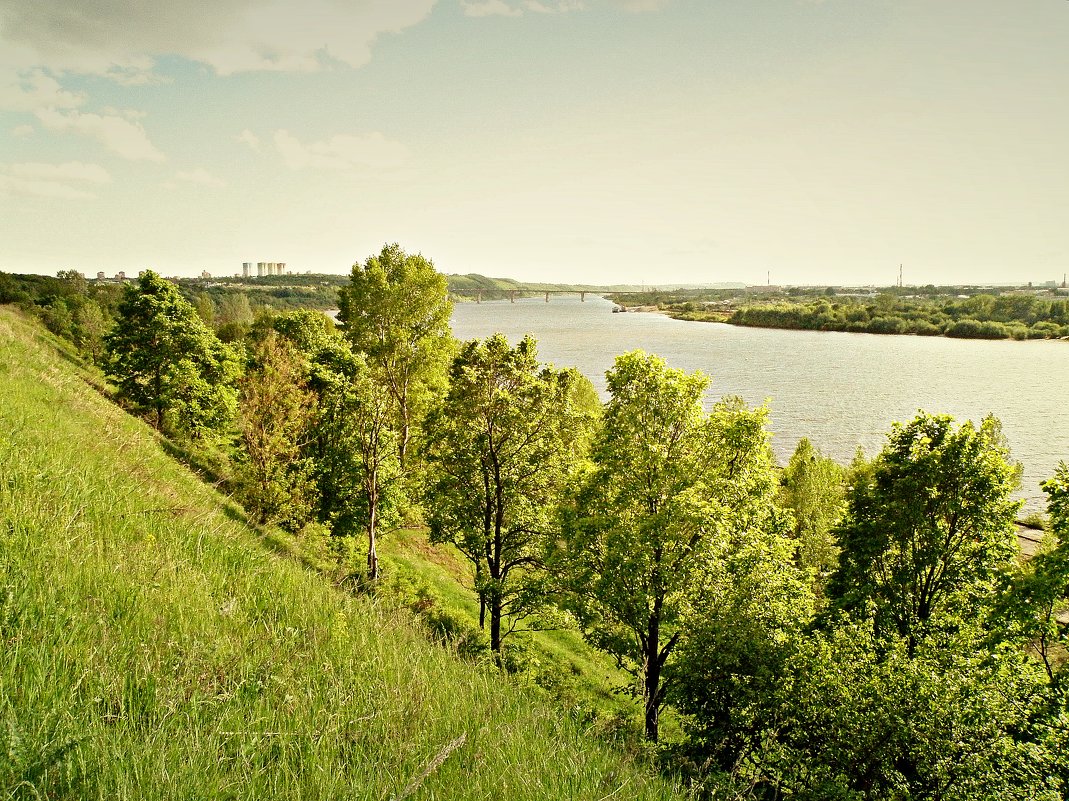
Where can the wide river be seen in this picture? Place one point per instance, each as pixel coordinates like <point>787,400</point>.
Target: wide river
<point>839,390</point>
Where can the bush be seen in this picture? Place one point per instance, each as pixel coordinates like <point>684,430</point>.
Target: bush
<point>975,329</point>
<point>885,325</point>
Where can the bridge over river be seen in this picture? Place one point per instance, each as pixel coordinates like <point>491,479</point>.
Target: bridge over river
<point>496,294</point>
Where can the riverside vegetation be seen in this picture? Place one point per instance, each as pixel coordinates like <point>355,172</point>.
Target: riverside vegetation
<point>818,632</point>
<point>927,311</point>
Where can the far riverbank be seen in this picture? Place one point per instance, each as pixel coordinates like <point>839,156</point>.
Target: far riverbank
<point>1048,320</point>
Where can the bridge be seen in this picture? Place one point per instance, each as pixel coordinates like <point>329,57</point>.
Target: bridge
<point>512,294</point>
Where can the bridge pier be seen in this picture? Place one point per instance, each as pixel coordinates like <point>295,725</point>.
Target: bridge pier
<point>512,297</point>
<point>547,297</point>
<point>478,297</point>
<point>582,297</point>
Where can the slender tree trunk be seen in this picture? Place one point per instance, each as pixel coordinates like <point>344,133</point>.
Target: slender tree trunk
<point>373,512</point>
<point>652,687</point>
<point>372,554</point>
<point>402,446</point>
<point>495,623</point>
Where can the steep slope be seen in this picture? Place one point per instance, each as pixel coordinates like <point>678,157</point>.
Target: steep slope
<point>153,646</point>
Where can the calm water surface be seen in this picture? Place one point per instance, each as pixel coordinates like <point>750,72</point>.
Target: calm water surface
<point>839,390</point>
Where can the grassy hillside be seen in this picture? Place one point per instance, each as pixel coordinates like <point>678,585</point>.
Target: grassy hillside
<point>556,659</point>
<point>154,646</point>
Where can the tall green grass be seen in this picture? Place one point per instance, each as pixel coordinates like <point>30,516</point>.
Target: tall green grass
<point>152,646</point>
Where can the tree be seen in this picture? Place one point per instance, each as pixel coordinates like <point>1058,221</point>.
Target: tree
<point>167,363</point>
<point>929,527</point>
<point>498,451</point>
<point>276,410</point>
<point>90,328</point>
<point>1039,597</point>
<point>358,468</point>
<point>309,330</point>
<point>813,487</point>
<point>669,488</point>
<point>741,624</point>
<point>855,716</point>
<point>396,311</point>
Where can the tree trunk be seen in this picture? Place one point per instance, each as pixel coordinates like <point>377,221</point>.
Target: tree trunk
<point>652,687</point>
<point>495,623</point>
<point>405,434</point>
<point>372,554</point>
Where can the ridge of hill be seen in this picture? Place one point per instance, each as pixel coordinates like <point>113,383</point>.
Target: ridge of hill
<point>157,646</point>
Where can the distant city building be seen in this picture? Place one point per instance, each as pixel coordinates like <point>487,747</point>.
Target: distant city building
<point>101,276</point>
<point>120,276</point>
<point>264,268</point>
<point>205,274</point>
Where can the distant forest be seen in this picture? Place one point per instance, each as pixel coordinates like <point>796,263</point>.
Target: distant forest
<point>946,311</point>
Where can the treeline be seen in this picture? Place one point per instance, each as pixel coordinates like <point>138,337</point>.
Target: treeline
<point>68,305</point>
<point>83,311</point>
<point>820,632</point>
<point>977,317</point>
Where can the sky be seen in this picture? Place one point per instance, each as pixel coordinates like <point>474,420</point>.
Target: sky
<point>598,141</point>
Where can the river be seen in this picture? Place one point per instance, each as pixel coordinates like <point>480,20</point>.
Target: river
<point>840,390</point>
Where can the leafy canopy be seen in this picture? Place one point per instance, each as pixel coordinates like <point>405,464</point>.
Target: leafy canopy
<point>499,450</point>
<point>929,527</point>
<point>396,312</point>
<point>167,363</point>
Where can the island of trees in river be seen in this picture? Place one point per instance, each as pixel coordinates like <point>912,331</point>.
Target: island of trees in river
<point>817,631</point>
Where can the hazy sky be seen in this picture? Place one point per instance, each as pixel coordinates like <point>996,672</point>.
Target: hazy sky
<point>562,140</point>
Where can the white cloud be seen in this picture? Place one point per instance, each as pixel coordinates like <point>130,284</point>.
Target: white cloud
<point>249,138</point>
<point>22,130</point>
<point>33,90</point>
<point>560,7</point>
<point>118,134</point>
<point>51,180</point>
<point>68,171</point>
<point>199,176</point>
<point>489,8</point>
<point>641,5</point>
<point>120,38</point>
<point>341,152</point>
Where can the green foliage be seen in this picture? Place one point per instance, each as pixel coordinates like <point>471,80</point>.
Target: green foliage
<point>310,331</point>
<point>355,448</point>
<point>859,718</point>
<point>976,317</point>
<point>90,328</point>
<point>396,312</point>
<point>1038,602</point>
<point>670,490</point>
<point>274,478</point>
<point>813,488</point>
<point>167,364</point>
<point>743,617</point>
<point>498,451</point>
<point>929,528</point>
